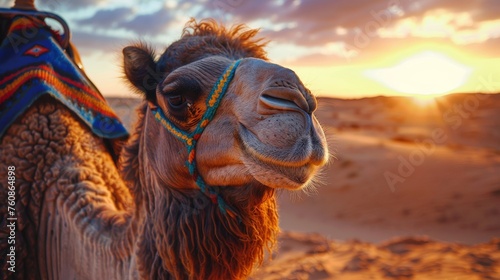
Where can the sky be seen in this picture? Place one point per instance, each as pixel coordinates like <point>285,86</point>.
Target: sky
<point>343,48</point>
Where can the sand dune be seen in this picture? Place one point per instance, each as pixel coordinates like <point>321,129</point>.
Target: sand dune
<point>309,256</point>
<point>426,177</point>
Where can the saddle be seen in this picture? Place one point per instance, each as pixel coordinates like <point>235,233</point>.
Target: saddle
<point>36,61</point>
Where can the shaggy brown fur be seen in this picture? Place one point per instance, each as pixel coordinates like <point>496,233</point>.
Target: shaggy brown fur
<point>46,144</point>
<point>207,38</point>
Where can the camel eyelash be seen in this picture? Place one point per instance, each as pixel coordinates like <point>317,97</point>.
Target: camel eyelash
<point>183,86</point>
<point>177,101</point>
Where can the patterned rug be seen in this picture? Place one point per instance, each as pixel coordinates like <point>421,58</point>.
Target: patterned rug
<point>33,64</point>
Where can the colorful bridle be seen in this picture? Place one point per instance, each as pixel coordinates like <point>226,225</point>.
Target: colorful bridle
<point>190,139</point>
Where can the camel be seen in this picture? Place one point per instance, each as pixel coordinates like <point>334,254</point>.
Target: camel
<point>193,192</point>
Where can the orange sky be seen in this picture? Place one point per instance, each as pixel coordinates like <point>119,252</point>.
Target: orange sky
<point>347,49</point>
<point>420,70</point>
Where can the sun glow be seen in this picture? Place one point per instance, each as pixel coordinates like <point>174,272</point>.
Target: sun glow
<point>424,100</point>
<point>425,73</point>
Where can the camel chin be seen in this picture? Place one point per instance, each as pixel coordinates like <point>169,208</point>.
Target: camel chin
<point>281,177</point>
<point>290,167</point>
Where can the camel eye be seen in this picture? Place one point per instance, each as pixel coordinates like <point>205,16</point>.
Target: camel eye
<point>177,101</point>
<point>180,95</point>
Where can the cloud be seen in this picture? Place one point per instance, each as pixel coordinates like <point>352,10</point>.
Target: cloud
<point>125,18</point>
<point>488,10</point>
<point>383,50</point>
<point>154,23</point>
<point>316,21</point>
<point>104,19</point>
<point>310,22</point>
<point>243,10</point>
<point>362,26</point>
<point>88,43</point>
<point>51,5</point>
<point>459,27</point>
<point>322,31</point>
<point>319,59</point>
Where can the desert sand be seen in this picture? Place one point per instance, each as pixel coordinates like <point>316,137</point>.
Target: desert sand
<point>412,192</point>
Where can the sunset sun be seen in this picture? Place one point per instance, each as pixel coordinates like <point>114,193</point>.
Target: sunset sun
<point>424,74</point>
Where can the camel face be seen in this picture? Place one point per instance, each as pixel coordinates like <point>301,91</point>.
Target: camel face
<point>264,130</point>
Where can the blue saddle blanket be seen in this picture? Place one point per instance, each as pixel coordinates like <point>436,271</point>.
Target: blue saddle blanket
<point>32,64</point>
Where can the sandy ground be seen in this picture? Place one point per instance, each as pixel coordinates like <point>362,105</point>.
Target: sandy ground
<point>310,256</point>
<point>412,192</point>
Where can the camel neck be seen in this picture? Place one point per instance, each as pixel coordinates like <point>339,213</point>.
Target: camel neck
<point>181,234</point>
<point>185,235</point>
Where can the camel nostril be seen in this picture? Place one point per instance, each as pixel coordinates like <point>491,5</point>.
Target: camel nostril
<point>282,98</point>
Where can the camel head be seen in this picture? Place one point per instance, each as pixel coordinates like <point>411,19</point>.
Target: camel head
<point>217,117</point>
<point>264,130</point>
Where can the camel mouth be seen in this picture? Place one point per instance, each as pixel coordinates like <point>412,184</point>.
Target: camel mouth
<point>290,168</point>
<point>279,176</point>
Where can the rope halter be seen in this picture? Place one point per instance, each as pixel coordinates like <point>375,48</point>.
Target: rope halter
<point>190,139</point>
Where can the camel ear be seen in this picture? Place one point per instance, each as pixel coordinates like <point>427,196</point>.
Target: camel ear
<point>141,70</point>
